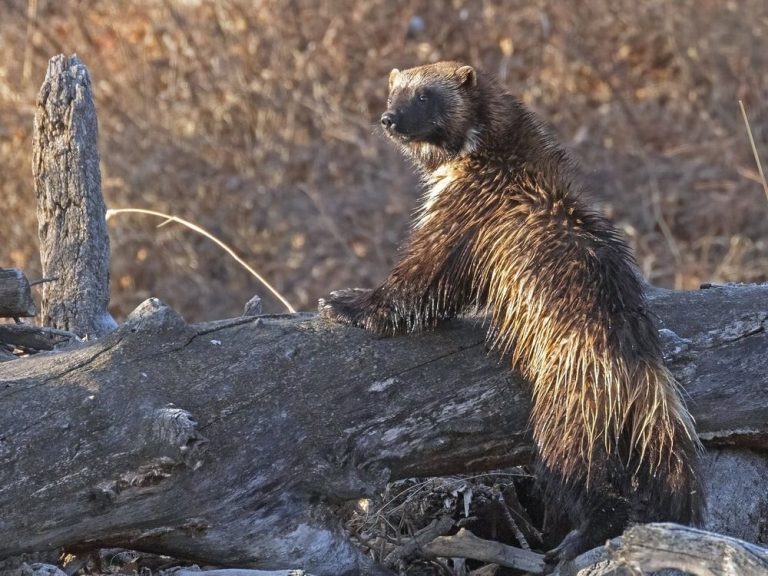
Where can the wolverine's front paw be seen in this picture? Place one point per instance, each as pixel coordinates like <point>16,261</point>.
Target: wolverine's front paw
<point>344,306</point>
<point>572,545</point>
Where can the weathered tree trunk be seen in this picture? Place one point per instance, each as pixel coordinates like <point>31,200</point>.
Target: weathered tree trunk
<point>74,246</point>
<point>15,294</point>
<point>230,442</point>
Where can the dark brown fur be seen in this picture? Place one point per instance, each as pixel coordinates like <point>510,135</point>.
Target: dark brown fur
<point>503,229</point>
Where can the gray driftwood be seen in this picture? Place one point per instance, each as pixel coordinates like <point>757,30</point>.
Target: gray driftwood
<point>33,337</point>
<point>652,547</point>
<point>74,246</point>
<point>230,442</point>
<point>15,294</point>
<point>642,549</point>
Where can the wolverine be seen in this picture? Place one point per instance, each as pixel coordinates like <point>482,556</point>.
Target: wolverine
<point>503,229</point>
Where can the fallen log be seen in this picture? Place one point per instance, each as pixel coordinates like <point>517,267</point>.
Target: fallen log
<point>230,442</point>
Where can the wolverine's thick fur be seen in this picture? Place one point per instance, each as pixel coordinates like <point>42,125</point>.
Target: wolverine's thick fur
<point>502,229</point>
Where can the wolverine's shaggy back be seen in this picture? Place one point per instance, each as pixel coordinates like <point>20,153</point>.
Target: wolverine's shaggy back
<point>502,228</point>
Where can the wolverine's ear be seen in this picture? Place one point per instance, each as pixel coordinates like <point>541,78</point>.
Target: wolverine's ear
<point>467,76</point>
<point>393,77</point>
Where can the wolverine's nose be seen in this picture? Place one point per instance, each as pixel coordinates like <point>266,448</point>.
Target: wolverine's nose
<point>387,120</point>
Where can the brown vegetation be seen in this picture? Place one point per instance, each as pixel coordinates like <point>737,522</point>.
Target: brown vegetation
<point>256,121</point>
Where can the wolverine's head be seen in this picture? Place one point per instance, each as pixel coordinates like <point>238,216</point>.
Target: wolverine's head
<point>432,110</point>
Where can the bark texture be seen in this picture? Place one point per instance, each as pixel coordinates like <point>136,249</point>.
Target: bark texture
<point>15,294</point>
<point>74,245</point>
<point>654,547</point>
<point>231,442</point>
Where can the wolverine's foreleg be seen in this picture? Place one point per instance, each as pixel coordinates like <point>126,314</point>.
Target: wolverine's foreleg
<point>427,285</point>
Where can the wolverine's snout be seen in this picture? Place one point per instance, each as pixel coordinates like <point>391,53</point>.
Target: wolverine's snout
<point>397,125</point>
<point>387,120</point>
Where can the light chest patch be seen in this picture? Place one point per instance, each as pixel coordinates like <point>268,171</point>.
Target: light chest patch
<point>435,185</point>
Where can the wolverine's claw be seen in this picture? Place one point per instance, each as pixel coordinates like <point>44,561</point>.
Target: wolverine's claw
<point>343,306</point>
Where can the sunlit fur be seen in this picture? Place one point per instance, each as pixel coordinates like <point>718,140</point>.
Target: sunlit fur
<point>503,230</point>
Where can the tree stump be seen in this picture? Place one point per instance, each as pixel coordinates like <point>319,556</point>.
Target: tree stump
<point>74,245</point>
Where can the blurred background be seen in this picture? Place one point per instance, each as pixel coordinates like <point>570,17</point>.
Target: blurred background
<point>257,120</point>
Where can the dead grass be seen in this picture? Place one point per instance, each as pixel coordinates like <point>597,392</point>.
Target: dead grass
<point>255,121</point>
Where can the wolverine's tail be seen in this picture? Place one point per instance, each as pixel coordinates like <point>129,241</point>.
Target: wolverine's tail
<point>663,450</point>
<point>603,422</point>
<point>617,447</point>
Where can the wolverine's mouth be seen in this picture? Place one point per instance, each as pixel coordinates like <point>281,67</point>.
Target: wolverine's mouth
<point>399,136</point>
<point>404,137</point>
<point>391,123</point>
<point>401,131</point>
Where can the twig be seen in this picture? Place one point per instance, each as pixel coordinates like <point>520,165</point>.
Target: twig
<point>26,69</point>
<point>435,529</point>
<point>754,149</point>
<point>44,280</point>
<point>658,214</point>
<point>487,570</point>
<point>466,545</point>
<point>239,572</point>
<point>507,515</point>
<point>168,218</point>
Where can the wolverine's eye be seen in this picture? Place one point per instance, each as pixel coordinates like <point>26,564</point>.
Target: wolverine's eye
<point>423,98</point>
